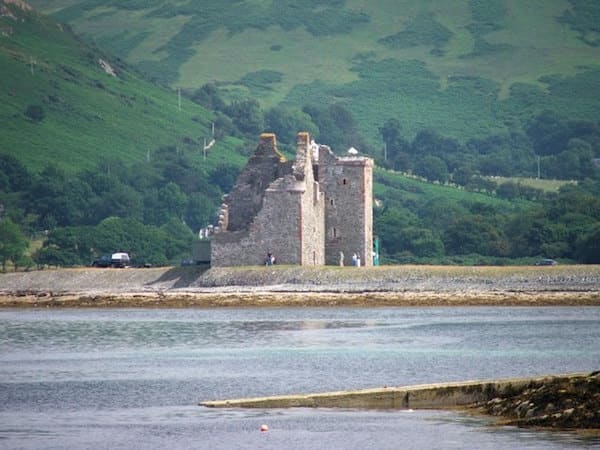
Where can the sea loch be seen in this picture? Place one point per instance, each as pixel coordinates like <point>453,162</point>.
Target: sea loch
<point>124,378</point>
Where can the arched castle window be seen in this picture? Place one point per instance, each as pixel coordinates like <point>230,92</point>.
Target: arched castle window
<point>344,181</point>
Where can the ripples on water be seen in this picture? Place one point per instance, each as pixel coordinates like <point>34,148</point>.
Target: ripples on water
<point>133,378</point>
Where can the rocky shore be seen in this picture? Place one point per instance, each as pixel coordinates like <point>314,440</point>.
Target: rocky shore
<point>303,286</point>
<point>556,402</point>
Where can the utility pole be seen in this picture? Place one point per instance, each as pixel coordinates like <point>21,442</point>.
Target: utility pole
<point>538,167</point>
<point>179,97</point>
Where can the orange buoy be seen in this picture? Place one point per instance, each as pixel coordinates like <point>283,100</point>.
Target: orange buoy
<point>264,428</point>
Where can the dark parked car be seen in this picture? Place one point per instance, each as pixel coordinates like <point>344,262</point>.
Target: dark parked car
<point>103,261</point>
<point>546,262</point>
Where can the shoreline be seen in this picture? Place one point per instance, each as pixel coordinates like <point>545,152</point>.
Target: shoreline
<point>299,286</point>
<point>260,299</point>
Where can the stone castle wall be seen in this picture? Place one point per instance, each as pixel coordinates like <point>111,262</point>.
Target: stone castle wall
<point>312,207</point>
<point>348,186</point>
<point>289,213</point>
<point>246,199</point>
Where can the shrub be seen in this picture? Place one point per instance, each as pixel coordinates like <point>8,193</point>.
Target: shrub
<point>35,113</point>
<point>423,30</point>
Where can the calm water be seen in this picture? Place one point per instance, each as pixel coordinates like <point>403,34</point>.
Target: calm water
<point>133,378</point>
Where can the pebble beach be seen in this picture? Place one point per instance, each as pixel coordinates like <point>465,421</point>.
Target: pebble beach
<point>178,287</point>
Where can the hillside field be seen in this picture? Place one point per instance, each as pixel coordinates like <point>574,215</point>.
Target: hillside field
<point>466,68</point>
<point>61,105</point>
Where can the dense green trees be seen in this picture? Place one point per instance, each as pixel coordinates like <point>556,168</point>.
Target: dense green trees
<point>559,148</point>
<point>13,174</point>
<point>433,168</point>
<point>70,246</point>
<point>333,125</point>
<point>563,226</point>
<point>209,97</point>
<point>247,116</point>
<point>587,245</point>
<point>12,243</point>
<point>337,127</point>
<point>285,123</point>
<point>148,210</point>
<point>397,151</point>
<point>549,144</point>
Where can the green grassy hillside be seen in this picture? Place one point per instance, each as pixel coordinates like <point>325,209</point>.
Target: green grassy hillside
<point>466,68</point>
<point>60,103</point>
<point>83,116</point>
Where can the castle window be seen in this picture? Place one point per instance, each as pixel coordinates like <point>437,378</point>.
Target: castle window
<point>344,181</point>
<point>331,202</point>
<point>334,232</point>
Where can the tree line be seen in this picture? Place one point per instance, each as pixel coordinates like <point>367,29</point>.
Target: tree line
<point>148,209</point>
<point>549,147</point>
<point>563,225</point>
<point>153,209</point>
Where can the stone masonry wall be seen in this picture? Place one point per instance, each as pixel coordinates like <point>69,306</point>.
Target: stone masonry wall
<point>293,216</point>
<point>289,223</point>
<point>246,198</point>
<point>312,206</point>
<point>313,226</point>
<point>347,183</point>
<point>274,229</point>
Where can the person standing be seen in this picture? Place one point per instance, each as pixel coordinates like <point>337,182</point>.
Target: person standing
<point>270,259</point>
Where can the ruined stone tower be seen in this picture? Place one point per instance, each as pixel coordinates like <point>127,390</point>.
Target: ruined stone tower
<point>304,211</point>
<point>348,186</point>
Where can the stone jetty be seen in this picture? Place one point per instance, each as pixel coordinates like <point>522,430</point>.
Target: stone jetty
<point>568,401</point>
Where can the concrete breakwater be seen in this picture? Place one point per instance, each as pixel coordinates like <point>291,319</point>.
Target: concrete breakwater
<point>563,401</point>
<point>425,396</point>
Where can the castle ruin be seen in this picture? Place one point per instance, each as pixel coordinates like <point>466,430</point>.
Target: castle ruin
<point>315,210</point>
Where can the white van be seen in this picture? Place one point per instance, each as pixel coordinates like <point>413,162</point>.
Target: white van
<point>119,259</point>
